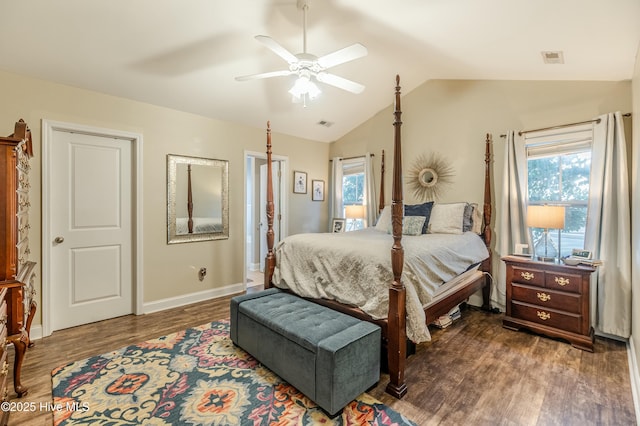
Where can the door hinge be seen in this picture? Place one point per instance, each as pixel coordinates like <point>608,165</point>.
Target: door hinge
<point>279,216</point>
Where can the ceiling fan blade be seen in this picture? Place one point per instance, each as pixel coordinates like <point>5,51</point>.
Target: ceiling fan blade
<point>339,82</point>
<point>341,56</point>
<point>277,48</point>
<point>264,75</point>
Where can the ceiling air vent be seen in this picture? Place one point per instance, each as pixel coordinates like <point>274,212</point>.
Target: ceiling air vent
<point>325,123</point>
<point>553,57</point>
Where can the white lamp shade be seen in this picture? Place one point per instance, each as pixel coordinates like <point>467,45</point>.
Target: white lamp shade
<point>547,217</point>
<point>354,212</point>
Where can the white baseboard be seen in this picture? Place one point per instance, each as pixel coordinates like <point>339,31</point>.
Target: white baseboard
<point>254,267</point>
<point>634,375</point>
<point>187,299</point>
<point>36,332</point>
<point>172,302</point>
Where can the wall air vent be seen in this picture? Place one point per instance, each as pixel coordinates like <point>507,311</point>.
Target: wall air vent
<point>553,57</point>
<point>325,123</point>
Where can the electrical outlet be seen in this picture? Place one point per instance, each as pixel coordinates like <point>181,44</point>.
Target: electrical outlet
<point>201,273</point>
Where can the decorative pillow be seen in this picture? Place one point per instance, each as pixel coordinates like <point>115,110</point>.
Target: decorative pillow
<point>423,209</point>
<point>447,218</point>
<point>467,220</point>
<point>477,220</point>
<point>384,220</point>
<point>411,225</point>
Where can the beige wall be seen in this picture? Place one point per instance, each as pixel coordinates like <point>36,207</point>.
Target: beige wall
<point>452,117</point>
<point>169,270</point>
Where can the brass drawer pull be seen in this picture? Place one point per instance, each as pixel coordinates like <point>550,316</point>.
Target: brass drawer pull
<point>544,297</point>
<point>543,315</point>
<point>562,281</point>
<point>527,276</point>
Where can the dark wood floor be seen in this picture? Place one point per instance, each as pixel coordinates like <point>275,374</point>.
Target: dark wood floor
<point>472,373</point>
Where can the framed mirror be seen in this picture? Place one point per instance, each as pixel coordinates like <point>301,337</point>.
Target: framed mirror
<point>197,199</point>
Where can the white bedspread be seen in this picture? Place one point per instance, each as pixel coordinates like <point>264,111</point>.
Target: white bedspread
<point>355,268</point>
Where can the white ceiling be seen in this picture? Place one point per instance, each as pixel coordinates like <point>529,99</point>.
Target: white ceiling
<point>184,54</point>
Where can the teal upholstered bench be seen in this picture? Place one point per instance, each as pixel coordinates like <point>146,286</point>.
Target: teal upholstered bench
<point>327,355</point>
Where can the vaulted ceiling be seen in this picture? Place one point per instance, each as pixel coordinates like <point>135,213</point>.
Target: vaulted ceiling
<point>185,54</point>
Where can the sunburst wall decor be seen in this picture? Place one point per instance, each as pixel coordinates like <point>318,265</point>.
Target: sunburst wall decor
<point>429,175</point>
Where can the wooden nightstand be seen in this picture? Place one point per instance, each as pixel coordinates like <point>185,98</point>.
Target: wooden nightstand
<point>550,299</point>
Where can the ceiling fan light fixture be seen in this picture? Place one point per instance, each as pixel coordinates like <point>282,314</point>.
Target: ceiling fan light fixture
<point>304,86</point>
<point>306,65</point>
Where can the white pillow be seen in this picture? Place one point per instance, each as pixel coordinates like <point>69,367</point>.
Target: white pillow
<point>384,221</point>
<point>447,218</point>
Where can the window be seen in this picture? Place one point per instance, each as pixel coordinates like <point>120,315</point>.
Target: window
<point>353,192</point>
<point>558,174</point>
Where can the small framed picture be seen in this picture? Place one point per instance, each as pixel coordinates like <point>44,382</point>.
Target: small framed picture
<point>337,225</point>
<point>299,182</point>
<point>317,193</point>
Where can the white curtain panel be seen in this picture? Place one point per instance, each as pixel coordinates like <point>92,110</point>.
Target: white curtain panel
<point>609,229</point>
<point>336,208</point>
<point>513,228</point>
<point>371,208</point>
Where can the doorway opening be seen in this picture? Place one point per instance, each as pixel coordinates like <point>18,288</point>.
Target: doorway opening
<point>255,212</point>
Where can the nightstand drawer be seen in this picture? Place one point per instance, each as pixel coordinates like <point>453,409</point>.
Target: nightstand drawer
<point>529,276</point>
<point>562,281</point>
<point>546,299</point>
<point>549,317</point>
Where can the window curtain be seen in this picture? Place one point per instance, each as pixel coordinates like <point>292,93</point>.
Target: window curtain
<point>336,208</point>
<point>608,228</point>
<point>371,209</point>
<point>513,228</point>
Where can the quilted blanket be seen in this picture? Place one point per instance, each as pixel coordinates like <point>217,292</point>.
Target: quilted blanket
<point>354,268</point>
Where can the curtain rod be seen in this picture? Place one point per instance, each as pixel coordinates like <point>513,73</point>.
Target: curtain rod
<point>597,120</point>
<point>352,158</point>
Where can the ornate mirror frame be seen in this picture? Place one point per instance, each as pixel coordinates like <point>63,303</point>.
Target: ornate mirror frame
<point>428,176</point>
<point>191,189</point>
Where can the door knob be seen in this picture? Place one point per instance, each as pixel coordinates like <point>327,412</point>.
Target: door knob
<point>58,240</point>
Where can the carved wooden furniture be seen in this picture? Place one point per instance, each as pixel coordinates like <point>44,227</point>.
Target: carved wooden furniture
<point>16,271</point>
<point>549,299</point>
<point>4,364</point>
<point>394,326</point>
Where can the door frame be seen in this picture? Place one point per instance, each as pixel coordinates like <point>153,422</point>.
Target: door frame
<point>284,200</point>
<point>48,128</point>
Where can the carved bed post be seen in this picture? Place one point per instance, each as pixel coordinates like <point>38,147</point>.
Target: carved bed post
<point>397,333</point>
<point>381,204</point>
<point>270,260</point>
<point>486,235</point>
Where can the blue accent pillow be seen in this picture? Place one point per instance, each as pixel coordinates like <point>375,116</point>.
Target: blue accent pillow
<point>423,209</point>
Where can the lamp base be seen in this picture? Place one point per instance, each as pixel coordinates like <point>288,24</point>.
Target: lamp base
<point>546,259</point>
<point>545,249</point>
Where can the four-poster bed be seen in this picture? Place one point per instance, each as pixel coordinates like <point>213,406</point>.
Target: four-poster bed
<point>394,324</point>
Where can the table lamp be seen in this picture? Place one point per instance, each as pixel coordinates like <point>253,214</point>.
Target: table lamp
<point>545,217</point>
<point>354,212</point>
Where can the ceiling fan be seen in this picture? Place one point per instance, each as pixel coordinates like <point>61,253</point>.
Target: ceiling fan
<point>308,67</point>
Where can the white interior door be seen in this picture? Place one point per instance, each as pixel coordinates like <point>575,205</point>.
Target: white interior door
<point>91,228</point>
<point>276,173</point>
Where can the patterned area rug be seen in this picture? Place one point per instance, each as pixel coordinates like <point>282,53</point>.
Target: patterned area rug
<point>193,377</point>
